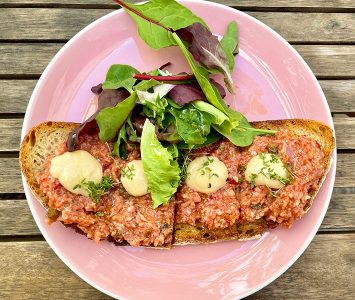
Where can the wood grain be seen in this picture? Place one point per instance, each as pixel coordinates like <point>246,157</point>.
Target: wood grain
<point>16,218</point>
<point>329,61</point>
<point>312,276</point>
<point>10,132</point>
<point>245,4</point>
<point>29,59</point>
<point>16,94</point>
<point>61,24</point>
<point>10,179</point>
<point>339,93</point>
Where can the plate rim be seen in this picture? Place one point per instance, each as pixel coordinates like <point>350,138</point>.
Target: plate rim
<point>119,11</point>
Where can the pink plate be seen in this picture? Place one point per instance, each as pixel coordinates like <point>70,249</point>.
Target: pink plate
<point>272,82</point>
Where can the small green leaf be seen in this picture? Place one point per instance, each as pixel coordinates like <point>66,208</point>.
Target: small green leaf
<point>119,148</point>
<point>120,76</point>
<point>192,124</point>
<point>111,119</point>
<point>229,43</point>
<point>146,85</point>
<point>218,117</point>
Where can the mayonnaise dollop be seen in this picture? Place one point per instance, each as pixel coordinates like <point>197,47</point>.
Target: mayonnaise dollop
<point>266,169</point>
<point>71,168</point>
<point>206,174</point>
<point>133,178</point>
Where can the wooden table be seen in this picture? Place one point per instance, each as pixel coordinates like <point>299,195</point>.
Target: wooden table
<point>32,31</point>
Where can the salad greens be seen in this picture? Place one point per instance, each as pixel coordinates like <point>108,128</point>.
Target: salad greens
<point>161,170</point>
<point>170,115</point>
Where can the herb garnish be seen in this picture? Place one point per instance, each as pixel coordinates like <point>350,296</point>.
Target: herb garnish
<point>99,214</point>
<point>96,190</point>
<point>205,169</point>
<point>268,171</point>
<point>252,179</point>
<point>128,172</point>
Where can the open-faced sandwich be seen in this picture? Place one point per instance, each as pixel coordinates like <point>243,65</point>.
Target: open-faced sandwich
<point>164,161</point>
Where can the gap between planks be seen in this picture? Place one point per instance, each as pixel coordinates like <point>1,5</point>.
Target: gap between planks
<point>61,24</point>
<point>253,5</point>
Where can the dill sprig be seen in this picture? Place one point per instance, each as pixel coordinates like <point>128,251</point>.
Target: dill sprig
<point>128,172</point>
<point>96,190</point>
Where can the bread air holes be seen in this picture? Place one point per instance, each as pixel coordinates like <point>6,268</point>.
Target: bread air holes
<point>32,139</point>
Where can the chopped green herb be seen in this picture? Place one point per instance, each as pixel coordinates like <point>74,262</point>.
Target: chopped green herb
<point>252,179</point>
<point>128,172</point>
<point>99,214</point>
<point>242,168</point>
<point>96,190</point>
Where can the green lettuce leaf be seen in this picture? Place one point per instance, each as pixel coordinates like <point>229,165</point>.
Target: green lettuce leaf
<point>161,170</point>
<point>229,43</point>
<point>156,19</point>
<point>120,76</point>
<point>111,119</point>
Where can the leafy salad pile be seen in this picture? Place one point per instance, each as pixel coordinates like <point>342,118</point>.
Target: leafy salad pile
<point>169,115</point>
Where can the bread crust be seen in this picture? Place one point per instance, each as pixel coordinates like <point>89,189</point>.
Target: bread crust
<point>42,140</point>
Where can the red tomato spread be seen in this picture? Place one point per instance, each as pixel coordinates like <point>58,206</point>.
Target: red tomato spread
<point>125,218</point>
<point>118,215</point>
<point>238,201</point>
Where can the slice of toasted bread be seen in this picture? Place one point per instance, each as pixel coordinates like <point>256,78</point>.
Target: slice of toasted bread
<point>42,140</point>
<point>39,144</point>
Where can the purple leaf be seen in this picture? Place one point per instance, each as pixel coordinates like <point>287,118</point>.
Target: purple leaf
<point>219,88</point>
<point>185,93</point>
<point>107,98</point>
<point>97,89</point>
<point>206,49</point>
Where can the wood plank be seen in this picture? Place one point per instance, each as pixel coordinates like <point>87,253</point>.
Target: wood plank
<point>10,179</point>
<point>11,130</point>
<point>325,270</point>
<point>31,270</point>
<point>339,93</point>
<point>245,4</point>
<point>62,24</point>
<point>16,94</point>
<point>10,134</point>
<point>16,218</point>
<point>30,59</point>
<point>26,59</point>
<point>39,273</point>
<point>329,61</point>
